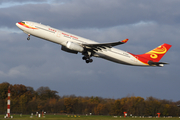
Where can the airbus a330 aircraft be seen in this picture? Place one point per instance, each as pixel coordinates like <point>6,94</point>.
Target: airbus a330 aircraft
<point>74,44</point>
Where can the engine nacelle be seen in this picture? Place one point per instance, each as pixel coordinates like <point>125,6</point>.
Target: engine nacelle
<point>74,46</point>
<point>64,48</point>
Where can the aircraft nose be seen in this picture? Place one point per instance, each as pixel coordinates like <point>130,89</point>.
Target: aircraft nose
<point>17,24</point>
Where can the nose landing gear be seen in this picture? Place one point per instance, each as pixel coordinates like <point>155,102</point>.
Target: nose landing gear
<point>28,38</point>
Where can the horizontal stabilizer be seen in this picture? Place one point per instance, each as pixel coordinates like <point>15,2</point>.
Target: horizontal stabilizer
<point>160,64</point>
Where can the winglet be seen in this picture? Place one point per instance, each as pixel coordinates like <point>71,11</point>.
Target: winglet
<point>125,40</point>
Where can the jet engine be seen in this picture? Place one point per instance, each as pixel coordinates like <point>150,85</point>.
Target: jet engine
<point>64,48</point>
<point>74,46</point>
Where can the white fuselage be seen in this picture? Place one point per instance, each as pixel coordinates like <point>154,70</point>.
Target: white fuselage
<point>61,37</point>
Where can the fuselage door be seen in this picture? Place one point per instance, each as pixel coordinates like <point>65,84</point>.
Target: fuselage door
<point>58,34</point>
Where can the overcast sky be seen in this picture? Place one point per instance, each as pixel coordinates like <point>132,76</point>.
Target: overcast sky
<point>146,23</point>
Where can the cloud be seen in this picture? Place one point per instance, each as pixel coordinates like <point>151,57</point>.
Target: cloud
<point>37,63</point>
<point>14,72</point>
<point>78,14</point>
<point>21,2</point>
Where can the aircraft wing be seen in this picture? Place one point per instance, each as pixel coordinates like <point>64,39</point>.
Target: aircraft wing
<point>100,46</point>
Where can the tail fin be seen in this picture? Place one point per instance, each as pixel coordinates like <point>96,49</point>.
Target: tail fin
<point>156,54</point>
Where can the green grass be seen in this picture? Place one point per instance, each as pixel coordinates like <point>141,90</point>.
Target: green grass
<point>82,117</point>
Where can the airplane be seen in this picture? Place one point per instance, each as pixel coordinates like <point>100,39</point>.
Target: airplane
<point>75,44</point>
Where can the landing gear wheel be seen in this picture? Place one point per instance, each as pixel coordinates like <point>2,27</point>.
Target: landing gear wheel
<point>87,56</point>
<point>90,60</point>
<point>84,58</point>
<point>28,38</point>
<point>87,61</point>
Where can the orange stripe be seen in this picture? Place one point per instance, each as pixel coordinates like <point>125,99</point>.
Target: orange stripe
<point>27,26</point>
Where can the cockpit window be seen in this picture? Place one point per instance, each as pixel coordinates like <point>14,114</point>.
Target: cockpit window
<point>23,22</point>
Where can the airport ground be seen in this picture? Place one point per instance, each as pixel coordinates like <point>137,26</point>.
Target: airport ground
<point>83,117</point>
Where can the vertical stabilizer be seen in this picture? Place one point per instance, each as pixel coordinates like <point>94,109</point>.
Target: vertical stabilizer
<point>156,54</point>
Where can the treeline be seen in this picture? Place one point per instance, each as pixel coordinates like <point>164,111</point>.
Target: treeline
<point>26,100</point>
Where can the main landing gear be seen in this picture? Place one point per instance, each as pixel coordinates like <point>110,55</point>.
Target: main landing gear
<point>87,59</point>
<point>87,56</point>
<point>28,38</point>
